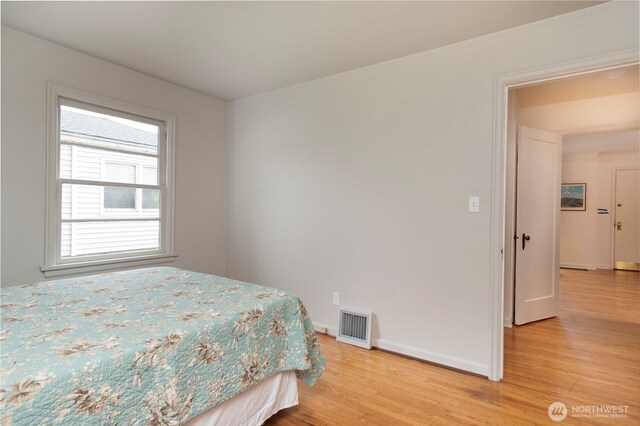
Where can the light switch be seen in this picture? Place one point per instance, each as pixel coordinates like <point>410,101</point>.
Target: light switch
<point>474,204</point>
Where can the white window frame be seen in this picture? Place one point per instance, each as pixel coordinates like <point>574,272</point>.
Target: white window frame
<point>55,265</point>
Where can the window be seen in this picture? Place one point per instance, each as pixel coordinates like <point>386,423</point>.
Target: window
<point>109,189</point>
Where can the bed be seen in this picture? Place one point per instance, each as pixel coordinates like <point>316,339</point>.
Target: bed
<point>154,346</point>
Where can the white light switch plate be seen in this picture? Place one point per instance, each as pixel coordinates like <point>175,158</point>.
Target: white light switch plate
<point>474,204</point>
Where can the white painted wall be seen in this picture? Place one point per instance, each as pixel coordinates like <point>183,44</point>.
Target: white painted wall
<point>27,64</point>
<point>358,183</point>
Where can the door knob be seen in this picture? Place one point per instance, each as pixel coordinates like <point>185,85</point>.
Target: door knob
<point>619,226</point>
<point>525,238</point>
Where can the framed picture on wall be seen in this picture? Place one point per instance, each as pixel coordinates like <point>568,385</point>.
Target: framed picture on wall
<point>574,196</point>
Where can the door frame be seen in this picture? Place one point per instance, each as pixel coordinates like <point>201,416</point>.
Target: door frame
<point>499,199</point>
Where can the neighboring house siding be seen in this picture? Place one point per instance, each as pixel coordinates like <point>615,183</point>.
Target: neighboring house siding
<point>120,236</point>
<point>86,202</point>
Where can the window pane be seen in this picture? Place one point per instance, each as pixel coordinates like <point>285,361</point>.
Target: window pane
<point>103,130</point>
<point>125,173</point>
<point>91,238</point>
<point>119,198</point>
<point>150,199</point>
<point>81,201</point>
<point>150,175</point>
<point>66,161</point>
<point>65,239</point>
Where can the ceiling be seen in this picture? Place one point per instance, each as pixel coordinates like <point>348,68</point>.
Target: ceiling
<point>627,141</point>
<point>586,86</point>
<point>235,49</point>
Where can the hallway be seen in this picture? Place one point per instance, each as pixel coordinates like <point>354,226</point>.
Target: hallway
<point>590,353</point>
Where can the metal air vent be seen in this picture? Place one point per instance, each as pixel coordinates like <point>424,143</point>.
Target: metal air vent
<point>355,327</point>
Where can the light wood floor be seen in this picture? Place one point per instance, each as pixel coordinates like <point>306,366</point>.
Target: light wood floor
<point>589,355</point>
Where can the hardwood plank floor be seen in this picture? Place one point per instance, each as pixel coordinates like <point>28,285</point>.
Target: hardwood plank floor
<point>588,355</point>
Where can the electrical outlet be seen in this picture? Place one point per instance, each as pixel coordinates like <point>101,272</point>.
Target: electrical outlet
<point>336,298</point>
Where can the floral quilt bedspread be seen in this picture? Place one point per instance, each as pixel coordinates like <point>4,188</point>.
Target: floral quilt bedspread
<point>151,346</point>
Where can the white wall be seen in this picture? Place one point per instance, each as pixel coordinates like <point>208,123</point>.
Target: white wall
<point>27,64</point>
<point>358,183</point>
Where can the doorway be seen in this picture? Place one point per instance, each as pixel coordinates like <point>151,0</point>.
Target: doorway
<point>504,171</point>
<point>591,115</point>
<point>574,148</point>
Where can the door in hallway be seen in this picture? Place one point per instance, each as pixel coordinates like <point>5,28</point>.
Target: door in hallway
<point>627,220</point>
<point>537,221</point>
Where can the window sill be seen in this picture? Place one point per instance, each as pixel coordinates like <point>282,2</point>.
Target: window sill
<point>104,265</point>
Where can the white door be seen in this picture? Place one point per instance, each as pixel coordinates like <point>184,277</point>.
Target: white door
<point>537,225</point>
<point>627,227</point>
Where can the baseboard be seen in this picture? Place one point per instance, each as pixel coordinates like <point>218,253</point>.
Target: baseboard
<point>507,322</point>
<point>604,266</point>
<point>436,358</point>
<point>324,328</point>
<point>578,266</point>
<point>449,361</point>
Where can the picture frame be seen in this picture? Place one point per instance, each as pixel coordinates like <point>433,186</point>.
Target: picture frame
<point>573,197</point>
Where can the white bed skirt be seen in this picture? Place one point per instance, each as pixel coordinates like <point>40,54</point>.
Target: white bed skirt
<point>254,406</point>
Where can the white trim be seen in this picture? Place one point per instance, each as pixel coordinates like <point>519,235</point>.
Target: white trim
<point>66,181</point>
<point>434,357</point>
<point>76,98</point>
<point>508,322</point>
<point>320,328</point>
<point>113,219</point>
<point>603,266</point>
<point>502,83</point>
<point>449,361</point>
<point>89,267</point>
<point>56,95</point>
<point>578,266</point>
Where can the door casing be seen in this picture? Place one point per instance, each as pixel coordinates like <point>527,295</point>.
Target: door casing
<point>499,200</point>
